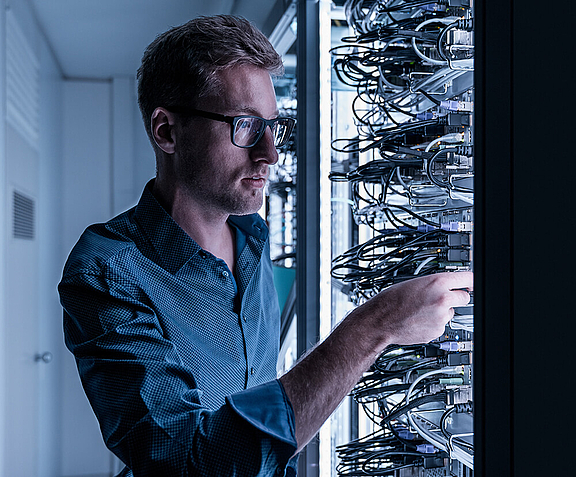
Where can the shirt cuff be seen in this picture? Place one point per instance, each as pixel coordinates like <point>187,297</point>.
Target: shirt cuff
<point>267,408</point>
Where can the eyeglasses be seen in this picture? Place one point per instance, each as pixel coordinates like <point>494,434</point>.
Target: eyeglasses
<point>246,131</point>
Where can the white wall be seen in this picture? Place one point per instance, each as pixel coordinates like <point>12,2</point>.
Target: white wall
<point>93,161</point>
<point>3,231</point>
<point>144,167</point>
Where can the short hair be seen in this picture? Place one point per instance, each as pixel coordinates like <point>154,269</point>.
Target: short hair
<point>180,64</point>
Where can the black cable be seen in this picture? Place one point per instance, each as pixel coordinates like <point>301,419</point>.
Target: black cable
<point>443,184</point>
<point>409,5</point>
<point>441,36</point>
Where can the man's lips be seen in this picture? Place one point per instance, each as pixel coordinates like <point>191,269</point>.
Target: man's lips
<point>255,181</point>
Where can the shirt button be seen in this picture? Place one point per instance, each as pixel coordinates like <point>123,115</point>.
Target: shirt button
<point>252,371</point>
<point>245,319</point>
<point>225,274</point>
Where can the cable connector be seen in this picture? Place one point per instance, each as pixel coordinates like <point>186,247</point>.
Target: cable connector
<point>452,381</point>
<point>451,227</point>
<point>426,449</point>
<point>467,374</point>
<point>453,137</point>
<point>460,106</point>
<point>458,161</point>
<point>427,116</point>
<point>465,345</point>
<point>455,359</point>
<point>435,462</point>
<point>466,24</point>
<point>406,435</point>
<point>431,351</point>
<point>464,407</point>
<point>455,119</point>
<point>454,3</point>
<point>458,255</point>
<point>458,240</point>
<point>434,7</point>
<point>449,345</point>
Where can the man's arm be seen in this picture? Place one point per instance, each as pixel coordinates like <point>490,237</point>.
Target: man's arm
<point>414,311</point>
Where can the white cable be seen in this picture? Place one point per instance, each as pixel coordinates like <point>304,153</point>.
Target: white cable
<point>462,196</point>
<point>446,21</point>
<point>455,452</point>
<point>452,138</point>
<point>423,264</point>
<point>440,77</point>
<point>447,370</point>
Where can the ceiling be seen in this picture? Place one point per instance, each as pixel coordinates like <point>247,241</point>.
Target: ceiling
<point>102,39</point>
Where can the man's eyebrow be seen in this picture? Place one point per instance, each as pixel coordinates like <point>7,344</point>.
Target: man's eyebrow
<point>251,111</point>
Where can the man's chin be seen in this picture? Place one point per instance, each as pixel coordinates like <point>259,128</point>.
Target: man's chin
<point>255,205</point>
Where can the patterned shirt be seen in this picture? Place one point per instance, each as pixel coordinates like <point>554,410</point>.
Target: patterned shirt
<point>176,354</point>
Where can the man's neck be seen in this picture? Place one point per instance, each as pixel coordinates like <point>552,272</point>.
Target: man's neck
<point>207,227</point>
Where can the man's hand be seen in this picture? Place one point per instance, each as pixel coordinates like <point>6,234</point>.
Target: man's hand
<point>417,310</point>
<point>414,311</point>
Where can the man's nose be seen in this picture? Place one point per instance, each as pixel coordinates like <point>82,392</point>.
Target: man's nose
<point>264,149</point>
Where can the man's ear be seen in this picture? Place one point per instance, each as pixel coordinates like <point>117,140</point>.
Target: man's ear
<point>162,127</point>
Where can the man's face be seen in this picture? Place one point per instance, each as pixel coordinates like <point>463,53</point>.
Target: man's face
<point>215,173</point>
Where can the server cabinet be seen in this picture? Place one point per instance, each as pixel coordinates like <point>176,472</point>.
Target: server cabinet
<point>522,234</point>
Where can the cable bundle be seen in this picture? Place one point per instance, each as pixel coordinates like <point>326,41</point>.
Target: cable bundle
<point>393,257</point>
<point>408,394</point>
<point>413,115</point>
<point>410,171</point>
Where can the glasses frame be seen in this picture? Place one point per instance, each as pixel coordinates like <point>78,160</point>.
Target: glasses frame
<point>233,120</point>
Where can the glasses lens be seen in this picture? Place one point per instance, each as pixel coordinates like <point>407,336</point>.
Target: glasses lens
<point>282,131</point>
<point>248,131</point>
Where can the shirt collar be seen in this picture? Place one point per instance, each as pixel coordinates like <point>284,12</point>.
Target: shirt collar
<point>173,246</point>
<point>251,225</point>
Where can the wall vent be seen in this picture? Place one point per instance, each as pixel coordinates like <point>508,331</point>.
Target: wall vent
<point>22,82</point>
<point>23,216</point>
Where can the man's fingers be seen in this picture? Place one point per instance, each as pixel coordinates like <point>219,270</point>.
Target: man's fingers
<point>460,297</point>
<point>458,280</point>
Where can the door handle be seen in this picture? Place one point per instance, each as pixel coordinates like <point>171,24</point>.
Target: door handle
<point>45,357</point>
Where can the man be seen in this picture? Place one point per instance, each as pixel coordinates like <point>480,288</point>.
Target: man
<point>170,309</point>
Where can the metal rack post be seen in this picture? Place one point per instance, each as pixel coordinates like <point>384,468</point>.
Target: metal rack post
<point>308,196</point>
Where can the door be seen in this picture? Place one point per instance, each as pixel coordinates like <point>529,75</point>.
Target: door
<point>22,358</point>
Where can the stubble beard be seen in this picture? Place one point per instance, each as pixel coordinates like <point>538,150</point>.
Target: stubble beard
<point>201,187</point>
<point>200,179</point>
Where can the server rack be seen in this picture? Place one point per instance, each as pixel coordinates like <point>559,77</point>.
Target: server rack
<point>523,278</point>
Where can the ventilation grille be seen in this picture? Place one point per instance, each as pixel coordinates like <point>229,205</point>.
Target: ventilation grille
<point>22,82</point>
<point>23,214</point>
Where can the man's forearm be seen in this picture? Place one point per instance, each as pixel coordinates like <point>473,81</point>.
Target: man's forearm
<point>319,382</point>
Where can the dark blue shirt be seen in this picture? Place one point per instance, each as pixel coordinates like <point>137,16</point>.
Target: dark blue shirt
<point>176,354</point>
